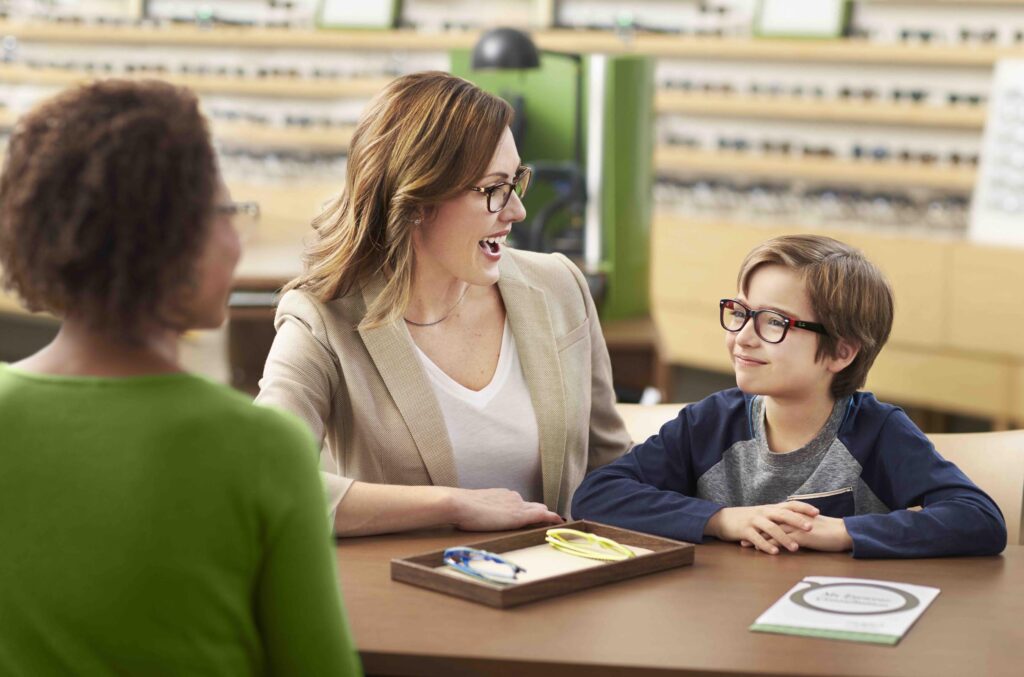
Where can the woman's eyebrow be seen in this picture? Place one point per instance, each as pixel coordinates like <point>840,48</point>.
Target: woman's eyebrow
<point>503,175</point>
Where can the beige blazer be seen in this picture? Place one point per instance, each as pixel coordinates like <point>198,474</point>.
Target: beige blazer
<point>366,397</point>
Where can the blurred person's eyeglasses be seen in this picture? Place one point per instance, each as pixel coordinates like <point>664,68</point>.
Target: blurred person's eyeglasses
<point>244,215</point>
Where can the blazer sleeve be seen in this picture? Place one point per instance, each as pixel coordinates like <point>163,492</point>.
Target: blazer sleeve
<point>608,436</point>
<point>302,374</point>
<point>956,517</point>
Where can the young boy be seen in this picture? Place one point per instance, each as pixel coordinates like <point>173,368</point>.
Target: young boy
<point>796,457</point>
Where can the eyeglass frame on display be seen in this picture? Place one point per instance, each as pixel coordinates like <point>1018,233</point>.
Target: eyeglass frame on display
<point>458,558</point>
<point>613,551</point>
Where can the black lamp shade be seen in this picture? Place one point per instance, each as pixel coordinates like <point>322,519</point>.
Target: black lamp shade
<point>505,48</point>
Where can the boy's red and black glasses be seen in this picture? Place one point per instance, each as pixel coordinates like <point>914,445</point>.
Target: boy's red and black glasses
<point>770,325</point>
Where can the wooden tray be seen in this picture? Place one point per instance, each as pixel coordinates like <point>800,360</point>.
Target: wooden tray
<point>422,570</point>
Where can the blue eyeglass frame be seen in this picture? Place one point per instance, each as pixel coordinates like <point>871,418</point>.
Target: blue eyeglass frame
<point>459,558</point>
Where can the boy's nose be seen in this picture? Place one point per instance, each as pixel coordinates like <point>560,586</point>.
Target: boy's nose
<point>747,335</point>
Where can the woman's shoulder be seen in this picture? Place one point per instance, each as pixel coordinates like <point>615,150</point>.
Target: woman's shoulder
<point>326,320</point>
<point>547,271</point>
<point>305,305</point>
<point>213,405</point>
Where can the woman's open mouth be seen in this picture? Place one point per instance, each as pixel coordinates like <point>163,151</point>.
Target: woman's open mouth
<point>491,246</point>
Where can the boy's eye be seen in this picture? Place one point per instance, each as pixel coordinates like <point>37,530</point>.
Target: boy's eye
<point>738,313</point>
<point>776,322</point>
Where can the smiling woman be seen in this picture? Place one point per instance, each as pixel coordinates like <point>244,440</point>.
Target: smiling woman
<point>448,377</point>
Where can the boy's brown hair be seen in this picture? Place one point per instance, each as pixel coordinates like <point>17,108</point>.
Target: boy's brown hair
<point>849,295</point>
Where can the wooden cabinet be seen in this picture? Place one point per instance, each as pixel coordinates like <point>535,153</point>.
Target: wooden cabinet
<point>955,344</point>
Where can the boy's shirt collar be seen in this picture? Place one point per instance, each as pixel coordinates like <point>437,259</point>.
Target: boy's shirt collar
<point>816,447</point>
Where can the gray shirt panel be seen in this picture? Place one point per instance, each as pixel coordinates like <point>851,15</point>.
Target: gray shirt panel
<point>751,474</point>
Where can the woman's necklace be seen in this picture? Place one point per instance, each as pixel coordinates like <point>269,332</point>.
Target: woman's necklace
<point>446,315</point>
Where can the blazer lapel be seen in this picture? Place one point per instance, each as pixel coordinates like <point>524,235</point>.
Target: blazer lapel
<point>392,351</point>
<point>528,318</point>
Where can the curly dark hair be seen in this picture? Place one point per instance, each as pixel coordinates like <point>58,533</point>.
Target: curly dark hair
<point>106,196</point>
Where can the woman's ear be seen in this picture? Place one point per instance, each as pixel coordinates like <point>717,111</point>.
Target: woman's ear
<point>846,352</point>
<point>425,214</point>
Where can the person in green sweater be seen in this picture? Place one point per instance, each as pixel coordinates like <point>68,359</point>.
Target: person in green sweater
<point>152,522</point>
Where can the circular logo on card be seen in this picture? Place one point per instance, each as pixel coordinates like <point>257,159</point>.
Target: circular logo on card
<point>854,599</point>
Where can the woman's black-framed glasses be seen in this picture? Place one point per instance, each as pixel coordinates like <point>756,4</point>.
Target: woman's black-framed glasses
<point>499,194</point>
<point>770,325</point>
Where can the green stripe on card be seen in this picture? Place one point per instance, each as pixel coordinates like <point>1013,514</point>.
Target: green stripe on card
<point>870,637</point>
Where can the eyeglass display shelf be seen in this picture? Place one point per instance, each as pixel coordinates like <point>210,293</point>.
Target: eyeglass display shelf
<point>249,134</point>
<point>566,40</point>
<point>422,570</point>
<point>269,87</point>
<point>685,160</point>
<point>792,108</point>
<point>317,139</point>
<point>966,3</point>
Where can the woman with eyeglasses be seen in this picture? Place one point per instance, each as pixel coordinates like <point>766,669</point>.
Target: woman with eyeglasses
<point>153,522</point>
<point>450,378</point>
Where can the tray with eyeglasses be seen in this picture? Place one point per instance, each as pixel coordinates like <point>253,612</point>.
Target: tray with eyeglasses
<point>540,563</point>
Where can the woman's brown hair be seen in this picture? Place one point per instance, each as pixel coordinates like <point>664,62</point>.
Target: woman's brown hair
<point>849,295</point>
<point>105,199</point>
<point>422,141</point>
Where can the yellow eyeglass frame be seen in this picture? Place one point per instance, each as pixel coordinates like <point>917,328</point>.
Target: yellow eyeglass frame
<point>606,549</point>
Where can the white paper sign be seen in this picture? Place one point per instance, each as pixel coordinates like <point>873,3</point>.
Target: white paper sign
<point>997,209</point>
<point>822,18</point>
<point>358,13</point>
<point>856,609</point>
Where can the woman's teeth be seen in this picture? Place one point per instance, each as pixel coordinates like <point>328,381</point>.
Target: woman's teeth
<point>493,244</point>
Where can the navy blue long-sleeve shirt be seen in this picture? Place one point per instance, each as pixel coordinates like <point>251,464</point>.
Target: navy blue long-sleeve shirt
<point>867,465</point>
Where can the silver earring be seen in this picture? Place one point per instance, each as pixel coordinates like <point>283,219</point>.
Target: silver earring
<point>417,221</point>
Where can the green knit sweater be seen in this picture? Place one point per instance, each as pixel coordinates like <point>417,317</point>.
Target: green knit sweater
<point>161,525</point>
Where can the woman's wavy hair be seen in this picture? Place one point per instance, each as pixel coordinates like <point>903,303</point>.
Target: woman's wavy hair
<point>423,140</point>
<point>106,197</point>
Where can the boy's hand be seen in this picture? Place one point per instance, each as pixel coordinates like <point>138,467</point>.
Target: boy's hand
<point>762,525</point>
<point>827,534</point>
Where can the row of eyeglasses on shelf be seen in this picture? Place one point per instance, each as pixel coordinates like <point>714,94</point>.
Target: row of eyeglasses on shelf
<point>820,91</point>
<point>878,152</point>
<point>796,204</point>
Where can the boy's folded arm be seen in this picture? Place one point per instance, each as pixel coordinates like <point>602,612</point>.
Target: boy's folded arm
<point>957,525</point>
<point>649,489</point>
<point>957,518</point>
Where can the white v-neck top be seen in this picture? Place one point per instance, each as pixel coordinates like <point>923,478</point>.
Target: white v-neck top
<point>493,431</point>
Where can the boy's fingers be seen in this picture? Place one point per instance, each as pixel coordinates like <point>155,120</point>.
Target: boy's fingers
<point>793,519</point>
<point>775,534</point>
<point>761,544</point>
<point>801,507</point>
